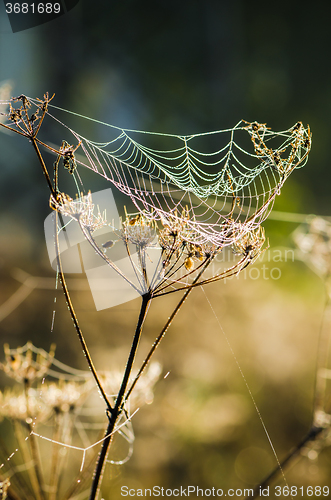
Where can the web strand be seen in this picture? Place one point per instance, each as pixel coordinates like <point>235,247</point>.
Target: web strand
<point>248,389</point>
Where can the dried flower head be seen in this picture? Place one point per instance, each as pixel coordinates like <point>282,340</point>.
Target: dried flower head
<point>63,396</point>
<point>249,243</point>
<point>314,242</point>
<point>25,406</point>
<point>82,210</point>
<point>68,154</point>
<point>4,485</point>
<point>21,365</point>
<point>143,392</point>
<point>139,230</point>
<point>176,231</point>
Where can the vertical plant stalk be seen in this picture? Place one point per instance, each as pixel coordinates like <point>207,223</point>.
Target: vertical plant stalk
<point>34,448</point>
<point>164,330</point>
<point>43,166</point>
<point>114,413</point>
<point>53,480</point>
<point>26,452</point>
<point>323,352</point>
<point>21,483</point>
<point>36,461</point>
<point>74,317</point>
<point>32,134</point>
<point>66,438</point>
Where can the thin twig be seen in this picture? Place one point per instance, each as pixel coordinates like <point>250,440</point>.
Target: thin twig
<point>75,320</point>
<point>33,447</point>
<point>163,332</point>
<point>94,245</point>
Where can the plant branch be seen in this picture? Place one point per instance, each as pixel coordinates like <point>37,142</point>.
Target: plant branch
<point>74,318</point>
<point>164,330</point>
<point>311,436</point>
<point>94,245</point>
<point>98,473</point>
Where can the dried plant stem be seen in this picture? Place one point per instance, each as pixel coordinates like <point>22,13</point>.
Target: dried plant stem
<point>88,235</point>
<point>311,436</point>
<point>121,398</point>
<point>319,397</point>
<point>32,137</point>
<point>19,480</point>
<point>323,353</point>
<point>42,163</point>
<point>74,317</point>
<point>114,413</point>
<point>33,446</point>
<point>27,458</point>
<point>11,495</point>
<point>36,462</point>
<point>164,330</point>
<point>55,460</point>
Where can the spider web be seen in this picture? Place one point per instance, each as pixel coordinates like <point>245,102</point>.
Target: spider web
<point>215,181</point>
<point>220,179</point>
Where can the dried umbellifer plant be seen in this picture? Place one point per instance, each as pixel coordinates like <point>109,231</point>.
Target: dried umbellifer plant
<point>188,207</point>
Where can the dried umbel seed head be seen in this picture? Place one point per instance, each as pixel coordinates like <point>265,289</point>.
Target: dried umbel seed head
<point>197,252</point>
<point>313,240</point>
<point>26,406</point>
<point>249,243</point>
<point>4,485</point>
<point>63,396</point>
<point>82,209</point>
<point>68,154</point>
<point>176,231</point>
<point>22,366</point>
<point>15,115</point>
<point>139,230</point>
<point>143,392</point>
<point>61,200</point>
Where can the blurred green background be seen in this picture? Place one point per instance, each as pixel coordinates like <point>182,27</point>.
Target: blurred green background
<point>185,67</point>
